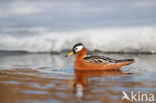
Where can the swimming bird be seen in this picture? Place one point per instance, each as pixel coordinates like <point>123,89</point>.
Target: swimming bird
<point>89,62</point>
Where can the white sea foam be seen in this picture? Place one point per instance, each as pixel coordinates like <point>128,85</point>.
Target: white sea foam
<point>52,26</point>
<point>123,39</point>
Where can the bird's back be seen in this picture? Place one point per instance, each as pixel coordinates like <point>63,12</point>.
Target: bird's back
<point>105,60</point>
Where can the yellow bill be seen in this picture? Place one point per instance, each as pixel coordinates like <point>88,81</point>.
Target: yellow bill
<point>71,53</point>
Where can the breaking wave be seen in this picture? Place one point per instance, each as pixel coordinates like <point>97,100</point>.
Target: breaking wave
<point>123,39</point>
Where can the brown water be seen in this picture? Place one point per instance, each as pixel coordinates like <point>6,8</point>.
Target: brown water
<point>48,78</point>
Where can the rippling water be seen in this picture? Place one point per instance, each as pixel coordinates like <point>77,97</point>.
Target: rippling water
<point>43,26</point>
<point>50,78</point>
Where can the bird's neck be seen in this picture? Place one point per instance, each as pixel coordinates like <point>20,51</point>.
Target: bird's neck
<point>81,54</point>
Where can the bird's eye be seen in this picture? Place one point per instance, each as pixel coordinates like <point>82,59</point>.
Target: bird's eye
<point>76,49</point>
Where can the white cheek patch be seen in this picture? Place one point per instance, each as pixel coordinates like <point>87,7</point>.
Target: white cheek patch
<point>79,48</point>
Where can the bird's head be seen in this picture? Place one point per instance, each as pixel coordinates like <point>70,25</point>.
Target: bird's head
<point>76,49</point>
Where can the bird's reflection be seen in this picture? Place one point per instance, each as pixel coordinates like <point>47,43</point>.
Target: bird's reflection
<point>81,78</point>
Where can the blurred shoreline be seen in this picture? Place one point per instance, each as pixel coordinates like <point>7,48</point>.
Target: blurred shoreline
<point>66,51</point>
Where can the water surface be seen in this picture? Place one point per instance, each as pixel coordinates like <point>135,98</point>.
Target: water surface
<point>50,78</point>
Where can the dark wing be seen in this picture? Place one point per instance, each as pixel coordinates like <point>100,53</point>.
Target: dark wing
<point>99,59</point>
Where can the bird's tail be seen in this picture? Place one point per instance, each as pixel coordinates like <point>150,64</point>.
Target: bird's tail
<point>125,61</point>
